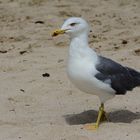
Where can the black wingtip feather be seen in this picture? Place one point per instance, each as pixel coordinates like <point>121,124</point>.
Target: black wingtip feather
<point>135,74</point>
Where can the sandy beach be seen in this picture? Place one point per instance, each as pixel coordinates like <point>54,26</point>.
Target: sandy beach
<point>37,100</point>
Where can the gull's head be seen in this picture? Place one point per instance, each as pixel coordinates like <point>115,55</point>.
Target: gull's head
<point>73,26</point>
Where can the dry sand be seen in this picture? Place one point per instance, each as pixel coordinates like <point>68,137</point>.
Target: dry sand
<point>33,107</point>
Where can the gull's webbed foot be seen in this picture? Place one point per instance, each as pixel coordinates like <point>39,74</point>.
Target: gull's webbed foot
<point>92,126</point>
<point>101,117</point>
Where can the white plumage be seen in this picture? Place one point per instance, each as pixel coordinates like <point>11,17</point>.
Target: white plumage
<point>81,69</point>
<point>82,61</point>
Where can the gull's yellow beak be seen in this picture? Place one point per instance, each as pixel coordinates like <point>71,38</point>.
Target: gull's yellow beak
<point>57,32</point>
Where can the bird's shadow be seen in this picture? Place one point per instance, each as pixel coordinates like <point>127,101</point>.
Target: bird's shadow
<point>124,116</point>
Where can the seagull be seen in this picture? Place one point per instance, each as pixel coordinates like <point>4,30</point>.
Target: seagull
<point>93,73</point>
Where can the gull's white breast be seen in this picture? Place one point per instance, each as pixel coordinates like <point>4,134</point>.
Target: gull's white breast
<point>81,71</point>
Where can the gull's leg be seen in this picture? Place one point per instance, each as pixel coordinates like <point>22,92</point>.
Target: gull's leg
<point>101,116</point>
<point>104,117</point>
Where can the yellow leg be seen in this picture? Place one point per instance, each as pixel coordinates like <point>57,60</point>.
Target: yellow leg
<point>104,117</point>
<point>101,115</point>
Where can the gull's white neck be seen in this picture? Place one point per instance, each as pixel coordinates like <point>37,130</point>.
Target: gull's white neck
<point>81,39</point>
<point>79,47</point>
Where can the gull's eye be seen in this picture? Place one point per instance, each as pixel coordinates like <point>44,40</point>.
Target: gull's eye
<point>73,24</point>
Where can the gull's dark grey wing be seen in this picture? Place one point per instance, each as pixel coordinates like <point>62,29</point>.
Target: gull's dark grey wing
<point>120,78</point>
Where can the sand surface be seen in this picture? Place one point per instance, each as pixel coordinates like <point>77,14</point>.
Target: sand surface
<point>33,107</point>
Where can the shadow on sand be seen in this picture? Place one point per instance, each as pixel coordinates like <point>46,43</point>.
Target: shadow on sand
<point>124,116</point>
